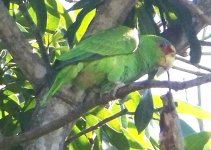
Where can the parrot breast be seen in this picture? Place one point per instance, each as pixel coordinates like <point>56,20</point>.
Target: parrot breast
<point>108,71</point>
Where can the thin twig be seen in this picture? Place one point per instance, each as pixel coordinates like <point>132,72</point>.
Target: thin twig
<point>188,71</point>
<point>92,128</point>
<point>205,43</point>
<point>206,53</point>
<point>197,65</point>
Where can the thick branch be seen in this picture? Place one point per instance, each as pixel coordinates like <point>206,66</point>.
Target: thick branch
<point>110,14</point>
<point>197,11</point>
<point>30,64</point>
<point>92,101</point>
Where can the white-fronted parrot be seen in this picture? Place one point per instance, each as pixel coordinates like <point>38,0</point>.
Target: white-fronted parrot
<point>117,55</point>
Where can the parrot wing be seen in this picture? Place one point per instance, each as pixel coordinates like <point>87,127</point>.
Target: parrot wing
<point>116,41</point>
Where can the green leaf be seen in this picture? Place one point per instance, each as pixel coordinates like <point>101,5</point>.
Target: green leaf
<point>12,108</point>
<point>196,141</point>
<point>136,141</point>
<point>196,111</point>
<point>118,140</point>
<point>144,112</point>
<point>83,19</point>
<point>81,143</point>
<point>53,16</point>
<point>84,24</point>
<point>8,126</point>
<point>91,120</point>
<point>186,128</point>
<point>65,19</point>
<point>103,113</point>
<point>185,108</point>
<point>146,18</point>
<point>41,13</point>
<point>98,140</point>
<point>154,143</point>
<point>132,101</point>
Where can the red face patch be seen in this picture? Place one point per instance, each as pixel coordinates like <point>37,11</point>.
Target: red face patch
<point>167,49</point>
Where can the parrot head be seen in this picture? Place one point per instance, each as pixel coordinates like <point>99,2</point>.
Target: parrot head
<point>168,51</point>
<point>157,51</point>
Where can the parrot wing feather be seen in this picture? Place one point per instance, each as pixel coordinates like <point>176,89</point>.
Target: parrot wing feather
<point>116,41</point>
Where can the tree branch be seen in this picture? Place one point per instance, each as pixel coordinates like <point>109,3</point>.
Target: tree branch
<point>197,11</point>
<point>197,65</point>
<point>92,128</point>
<point>30,64</point>
<point>92,101</point>
<point>110,14</point>
<point>205,43</point>
<point>197,73</point>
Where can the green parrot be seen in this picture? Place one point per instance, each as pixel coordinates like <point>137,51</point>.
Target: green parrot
<point>113,56</point>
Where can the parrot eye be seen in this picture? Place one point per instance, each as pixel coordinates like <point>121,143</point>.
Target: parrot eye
<point>162,45</point>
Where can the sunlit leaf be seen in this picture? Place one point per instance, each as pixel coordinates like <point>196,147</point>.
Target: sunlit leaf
<point>41,13</point>
<point>103,113</point>
<point>84,24</point>
<point>196,111</point>
<point>207,145</point>
<point>185,108</point>
<point>136,141</point>
<point>53,16</point>
<point>84,17</point>
<point>132,101</point>
<point>82,142</point>
<point>22,29</point>
<point>91,120</point>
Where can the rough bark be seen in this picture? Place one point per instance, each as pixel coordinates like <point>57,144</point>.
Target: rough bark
<point>30,64</point>
<point>110,14</point>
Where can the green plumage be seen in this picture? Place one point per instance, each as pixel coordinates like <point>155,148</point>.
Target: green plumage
<point>109,57</point>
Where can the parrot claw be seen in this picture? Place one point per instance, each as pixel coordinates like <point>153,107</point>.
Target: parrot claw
<point>115,88</point>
